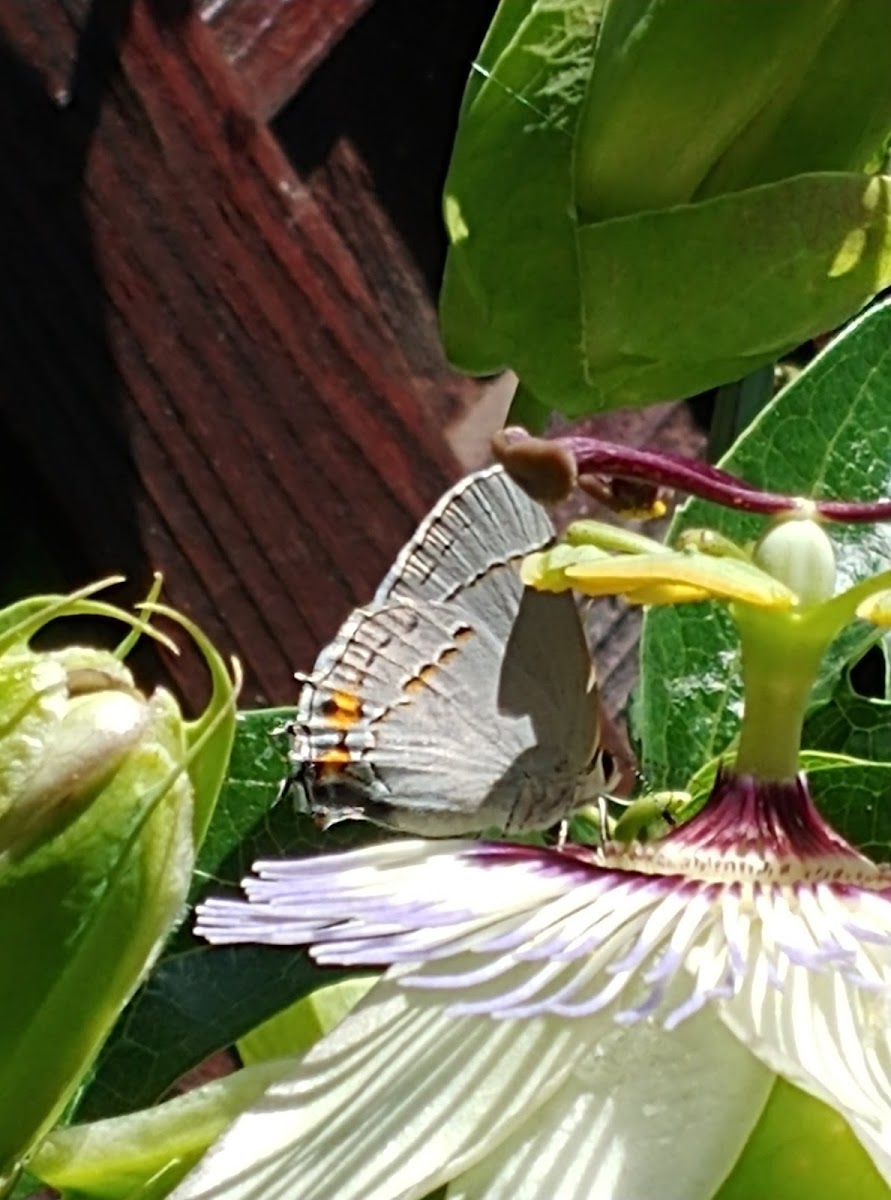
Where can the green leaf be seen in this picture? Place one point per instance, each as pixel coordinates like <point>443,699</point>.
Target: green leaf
<point>827,434</point>
<point>200,999</point>
<point>738,58</point>
<point>146,1153</point>
<point>24,1187</point>
<point>300,1025</point>
<point>686,289</point>
<point>851,795</point>
<point>678,300</point>
<point>193,1005</point>
<point>801,1149</point>
<point>512,268</point>
<point>507,20</point>
<point>818,121</point>
<point>850,724</point>
<point>257,768</point>
<point>688,704</point>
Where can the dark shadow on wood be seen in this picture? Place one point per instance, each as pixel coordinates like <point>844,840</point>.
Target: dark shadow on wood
<point>68,478</point>
<point>95,65</point>
<point>393,88</point>
<point>171,13</point>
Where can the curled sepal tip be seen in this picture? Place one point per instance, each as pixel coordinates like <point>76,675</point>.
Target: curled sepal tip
<point>210,736</point>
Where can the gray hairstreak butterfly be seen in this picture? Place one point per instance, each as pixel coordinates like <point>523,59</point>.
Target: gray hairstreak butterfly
<point>459,699</point>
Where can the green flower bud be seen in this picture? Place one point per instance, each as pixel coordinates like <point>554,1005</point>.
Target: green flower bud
<point>104,792</point>
<point>60,752</point>
<point>648,198</point>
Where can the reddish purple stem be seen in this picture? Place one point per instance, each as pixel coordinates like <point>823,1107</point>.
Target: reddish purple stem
<point>708,483</point>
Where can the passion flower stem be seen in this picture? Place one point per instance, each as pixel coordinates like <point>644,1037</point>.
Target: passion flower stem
<point>781,655</point>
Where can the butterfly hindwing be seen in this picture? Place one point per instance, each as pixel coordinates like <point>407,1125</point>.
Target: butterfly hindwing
<point>467,737</point>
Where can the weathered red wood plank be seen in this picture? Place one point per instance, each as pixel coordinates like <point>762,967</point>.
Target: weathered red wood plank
<point>274,45</point>
<point>345,191</point>
<point>196,366</point>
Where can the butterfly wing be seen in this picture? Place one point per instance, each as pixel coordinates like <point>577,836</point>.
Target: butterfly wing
<point>428,721</point>
<point>458,699</point>
<point>470,546</point>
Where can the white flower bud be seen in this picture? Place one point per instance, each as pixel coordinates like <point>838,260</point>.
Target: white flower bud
<point>797,551</point>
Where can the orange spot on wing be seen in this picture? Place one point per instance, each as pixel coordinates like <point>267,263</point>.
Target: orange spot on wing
<point>330,763</point>
<point>343,710</point>
<point>337,754</point>
<point>418,682</point>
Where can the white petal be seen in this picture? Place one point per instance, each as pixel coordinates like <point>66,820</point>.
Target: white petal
<point>398,1098</point>
<point>826,1035</point>
<point>645,1114</point>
